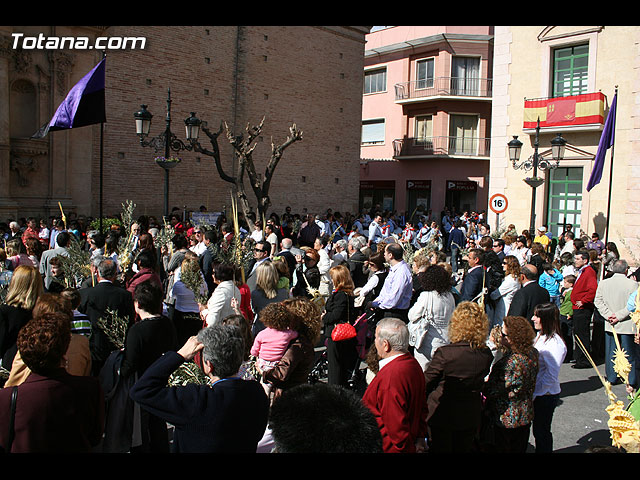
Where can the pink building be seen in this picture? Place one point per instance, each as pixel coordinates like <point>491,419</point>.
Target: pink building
<point>426,118</point>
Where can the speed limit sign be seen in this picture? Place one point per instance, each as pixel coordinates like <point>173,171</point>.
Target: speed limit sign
<point>498,203</point>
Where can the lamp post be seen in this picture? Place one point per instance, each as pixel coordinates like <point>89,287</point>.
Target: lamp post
<point>535,162</point>
<point>166,140</point>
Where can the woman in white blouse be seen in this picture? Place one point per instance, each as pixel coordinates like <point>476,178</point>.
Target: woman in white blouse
<point>503,295</point>
<point>430,314</point>
<point>520,250</point>
<point>186,316</point>
<point>219,305</point>
<point>552,350</point>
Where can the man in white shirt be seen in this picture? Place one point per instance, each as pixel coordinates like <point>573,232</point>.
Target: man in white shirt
<point>272,238</point>
<point>375,231</point>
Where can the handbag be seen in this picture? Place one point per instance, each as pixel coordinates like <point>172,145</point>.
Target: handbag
<point>343,331</point>
<point>418,328</point>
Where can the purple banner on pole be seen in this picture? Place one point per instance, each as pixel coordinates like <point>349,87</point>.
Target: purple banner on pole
<point>606,142</point>
<point>84,104</point>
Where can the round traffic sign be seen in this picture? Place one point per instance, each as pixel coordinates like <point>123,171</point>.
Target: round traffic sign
<point>498,203</point>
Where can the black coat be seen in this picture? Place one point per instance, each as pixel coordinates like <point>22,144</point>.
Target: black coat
<point>338,309</point>
<point>94,303</point>
<point>146,340</point>
<point>291,261</point>
<point>313,277</point>
<point>356,267</point>
<point>526,299</point>
<point>12,319</point>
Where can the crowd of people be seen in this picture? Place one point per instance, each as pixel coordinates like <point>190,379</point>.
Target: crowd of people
<point>437,334</point>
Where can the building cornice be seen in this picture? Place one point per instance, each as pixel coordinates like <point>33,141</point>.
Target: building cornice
<point>426,42</point>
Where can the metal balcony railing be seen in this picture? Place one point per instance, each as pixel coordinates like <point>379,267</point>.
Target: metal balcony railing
<point>462,146</point>
<point>444,86</point>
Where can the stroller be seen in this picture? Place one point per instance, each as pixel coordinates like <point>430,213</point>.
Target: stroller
<point>363,325</point>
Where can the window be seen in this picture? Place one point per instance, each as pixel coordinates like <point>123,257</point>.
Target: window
<point>465,76</point>
<point>424,131</point>
<point>570,70</point>
<point>463,134</point>
<point>424,73</point>
<point>375,80</point>
<point>373,132</point>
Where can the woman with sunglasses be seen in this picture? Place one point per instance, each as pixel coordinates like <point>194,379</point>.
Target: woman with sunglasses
<point>552,351</point>
<point>509,389</point>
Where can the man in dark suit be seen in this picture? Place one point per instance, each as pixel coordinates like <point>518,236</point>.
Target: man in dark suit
<point>206,260</point>
<point>356,260</point>
<point>95,301</point>
<point>474,281</point>
<point>529,296</point>
<point>261,252</point>
<point>285,253</point>
<point>498,248</point>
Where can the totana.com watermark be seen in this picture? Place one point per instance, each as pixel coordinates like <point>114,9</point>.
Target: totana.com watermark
<point>42,42</point>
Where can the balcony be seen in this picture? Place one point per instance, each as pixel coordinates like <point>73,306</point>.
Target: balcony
<point>449,87</point>
<point>441,146</point>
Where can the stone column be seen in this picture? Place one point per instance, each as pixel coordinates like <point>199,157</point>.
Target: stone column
<point>8,206</point>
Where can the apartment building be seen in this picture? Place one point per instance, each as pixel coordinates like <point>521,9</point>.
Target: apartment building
<point>426,118</point>
<point>566,77</point>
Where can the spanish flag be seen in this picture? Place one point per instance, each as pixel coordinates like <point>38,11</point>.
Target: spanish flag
<point>582,109</point>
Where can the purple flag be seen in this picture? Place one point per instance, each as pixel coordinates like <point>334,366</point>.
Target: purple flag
<point>606,142</point>
<point>83,106</point>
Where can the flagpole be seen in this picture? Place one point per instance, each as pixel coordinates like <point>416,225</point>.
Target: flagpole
<point>606,237</point>
<point>104,55</point>
<point>101,167</point>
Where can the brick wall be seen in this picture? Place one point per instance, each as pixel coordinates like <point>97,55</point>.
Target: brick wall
<point>310,76</point>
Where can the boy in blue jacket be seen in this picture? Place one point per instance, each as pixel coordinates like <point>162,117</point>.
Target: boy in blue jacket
<point>551,279</point>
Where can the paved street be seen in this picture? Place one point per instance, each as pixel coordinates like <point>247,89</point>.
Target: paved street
<point>580,421</point>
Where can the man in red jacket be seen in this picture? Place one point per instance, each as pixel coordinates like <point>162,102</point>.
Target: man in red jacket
<point>397,394</point>
<point>582,296</point>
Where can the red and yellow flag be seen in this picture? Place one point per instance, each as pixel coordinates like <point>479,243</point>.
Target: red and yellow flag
<point>582,109</point>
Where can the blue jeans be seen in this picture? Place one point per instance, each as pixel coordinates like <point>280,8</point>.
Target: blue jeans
<point>454,258</point>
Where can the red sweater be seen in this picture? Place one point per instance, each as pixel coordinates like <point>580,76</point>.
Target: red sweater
<point>584,289</point>
<point>397,398</point>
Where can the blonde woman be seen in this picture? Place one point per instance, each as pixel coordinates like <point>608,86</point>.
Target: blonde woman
<point>24,289</point>
<point>17,254</point>
<point>266,292</point>
<point>503,295</point>
<point>455,377</point>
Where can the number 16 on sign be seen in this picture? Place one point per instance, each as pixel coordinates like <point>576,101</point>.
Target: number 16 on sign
<point>498,204</point>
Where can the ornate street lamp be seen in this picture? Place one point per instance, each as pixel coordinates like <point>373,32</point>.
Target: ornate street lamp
<point>534,162</point>
<point>166,141</point>
<point>192,127</point>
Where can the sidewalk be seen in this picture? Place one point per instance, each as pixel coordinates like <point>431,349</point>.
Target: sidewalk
<point>580,421</point>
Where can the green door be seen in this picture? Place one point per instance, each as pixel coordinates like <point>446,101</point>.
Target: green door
<point>565,199</point>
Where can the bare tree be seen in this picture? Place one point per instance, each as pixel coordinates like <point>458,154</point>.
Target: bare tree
<point>243,146</point>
